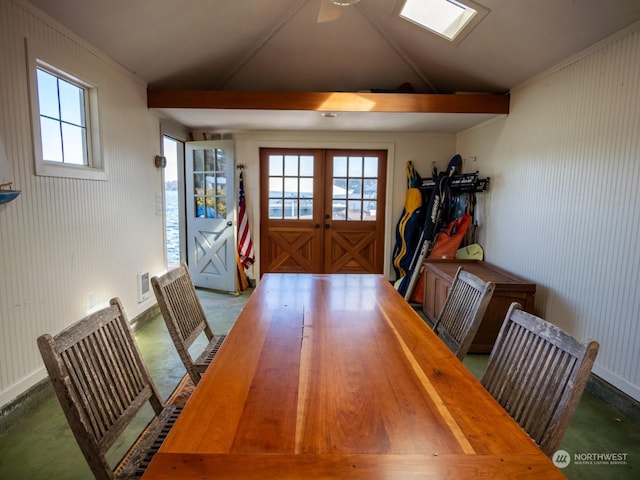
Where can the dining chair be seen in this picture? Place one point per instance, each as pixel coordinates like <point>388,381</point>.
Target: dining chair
<point>538,372</point>
<point>102,383</point>
<point>463,310</point>
<point>185,319</point>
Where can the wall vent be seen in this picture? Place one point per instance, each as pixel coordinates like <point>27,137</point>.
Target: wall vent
<point>144,290</point>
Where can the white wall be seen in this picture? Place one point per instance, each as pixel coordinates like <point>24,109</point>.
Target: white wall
<point>66,243</point>
<point>563,208</point>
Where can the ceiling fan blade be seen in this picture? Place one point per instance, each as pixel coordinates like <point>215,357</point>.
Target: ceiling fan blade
<point>328,11</point>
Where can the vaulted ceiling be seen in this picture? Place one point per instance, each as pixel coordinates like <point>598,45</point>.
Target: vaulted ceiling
<point>278,45</point>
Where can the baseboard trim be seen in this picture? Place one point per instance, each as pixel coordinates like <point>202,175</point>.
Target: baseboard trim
<point>42,390</point>
<point>619,401</point>
<point>145,317</point>
<point>25,403</point>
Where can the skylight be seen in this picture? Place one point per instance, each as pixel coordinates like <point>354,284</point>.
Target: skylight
<point>447,18</point>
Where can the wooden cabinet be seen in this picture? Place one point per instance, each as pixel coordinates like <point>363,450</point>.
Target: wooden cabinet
<point>438,275</point>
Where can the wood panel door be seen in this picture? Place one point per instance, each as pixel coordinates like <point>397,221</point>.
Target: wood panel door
<point>322,210</point>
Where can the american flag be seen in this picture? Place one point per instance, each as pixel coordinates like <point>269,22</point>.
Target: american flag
<point>245,244</point>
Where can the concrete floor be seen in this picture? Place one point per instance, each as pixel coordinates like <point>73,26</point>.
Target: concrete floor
<point>40,445</point>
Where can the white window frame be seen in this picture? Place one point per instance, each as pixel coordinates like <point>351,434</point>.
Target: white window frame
<point>40,56</point>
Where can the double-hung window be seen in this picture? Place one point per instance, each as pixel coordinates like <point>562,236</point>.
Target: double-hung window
<point>64,118</point>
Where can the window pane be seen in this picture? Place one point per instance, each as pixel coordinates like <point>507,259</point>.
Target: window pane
<point>71,103</point>
<point>74,148</point>
<point>275,165</point>
<point>51,140</point>
<point>371,167</point>
<point>47,94</point>
<point>306,166</point>
<point>355,166</point>
<point>339,166</point>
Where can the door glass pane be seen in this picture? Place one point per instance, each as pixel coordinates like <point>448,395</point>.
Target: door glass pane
<point>355,188</point>
<point>355,210</point>
<point>275,208</point>
<point>220,192</point>
<point>371,167</point>
<point>275,165</point>
<point>275,187</point>
<point>370,210</point>
<point>291,187</point>
<point>306,187</point>
<point>355,166</point>
<point>339,166</point>
<point>291,165</point>
<point>198,160</point>
<point>355,179</point>
<point>210,183</point>
<point>209,160</point>
<point>306,166</point>
<point>338,209</point>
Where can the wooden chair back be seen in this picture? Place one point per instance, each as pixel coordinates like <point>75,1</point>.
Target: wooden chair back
<point>100,379</point>
<point>538,372</point>
<point>463,311</point>
<point>184,316</point>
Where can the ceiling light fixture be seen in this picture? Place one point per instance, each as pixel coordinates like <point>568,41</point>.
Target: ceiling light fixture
<point>329,114</point>
<point>344,3</point>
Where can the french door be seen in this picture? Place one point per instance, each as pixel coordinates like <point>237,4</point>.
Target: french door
<point>322,211</point>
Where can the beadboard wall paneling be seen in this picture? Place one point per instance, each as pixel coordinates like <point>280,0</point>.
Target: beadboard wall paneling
<point>68,245</point>
<point>563,209</point>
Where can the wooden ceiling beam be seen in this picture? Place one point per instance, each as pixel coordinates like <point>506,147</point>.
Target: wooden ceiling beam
<point>329,101</point>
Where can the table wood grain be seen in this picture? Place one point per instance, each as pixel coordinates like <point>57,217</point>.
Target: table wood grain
<point>336,376</point>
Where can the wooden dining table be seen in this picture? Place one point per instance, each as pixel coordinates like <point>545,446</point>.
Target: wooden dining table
<point>336,376</point>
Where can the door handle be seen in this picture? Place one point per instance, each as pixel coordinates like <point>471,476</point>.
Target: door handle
<point>327,226</point>
<point>229,223</point>
<point>317,225</point>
